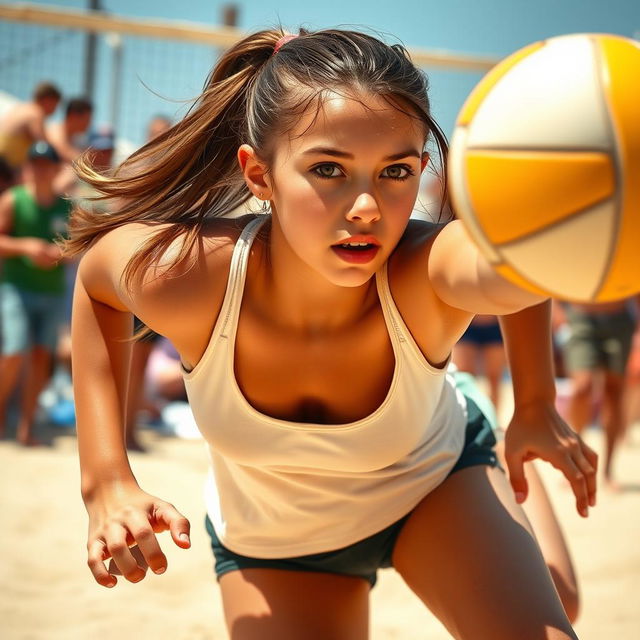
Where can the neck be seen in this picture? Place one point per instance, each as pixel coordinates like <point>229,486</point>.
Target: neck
<point>298,297</point>
<point>42,193</point>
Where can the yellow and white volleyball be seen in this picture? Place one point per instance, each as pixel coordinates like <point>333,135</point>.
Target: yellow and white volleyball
<point>544,167</point>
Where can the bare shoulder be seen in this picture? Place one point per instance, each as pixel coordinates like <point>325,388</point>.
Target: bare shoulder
<point>435,325</point>
<point>414,247</point>
<point>177,282</point>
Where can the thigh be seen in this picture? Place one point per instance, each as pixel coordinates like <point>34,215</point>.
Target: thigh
<point>276,604</point>
<point>48,313</point>
<point>14,321</point>
<point>469,553</point>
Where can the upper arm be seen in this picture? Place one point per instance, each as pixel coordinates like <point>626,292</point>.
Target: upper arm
<point>35,127</point>
<point>6,212</point>
<point>462,278</point>
<point>177,300</point>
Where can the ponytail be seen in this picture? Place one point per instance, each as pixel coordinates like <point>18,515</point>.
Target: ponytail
<point>188,174</point>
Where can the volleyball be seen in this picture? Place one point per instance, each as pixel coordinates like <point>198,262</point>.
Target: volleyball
<point>544,167</point>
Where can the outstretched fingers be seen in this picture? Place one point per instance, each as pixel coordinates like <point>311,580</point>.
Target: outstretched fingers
<point>178,525</point>
<point>130,541</point>
<point>579,464</point>
<point>97,554</point>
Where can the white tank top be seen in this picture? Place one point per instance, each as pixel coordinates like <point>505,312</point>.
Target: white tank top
<point>281,488</point>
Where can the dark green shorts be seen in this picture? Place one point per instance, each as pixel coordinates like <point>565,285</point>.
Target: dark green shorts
<point>599,340</point>
<point>362,559</point>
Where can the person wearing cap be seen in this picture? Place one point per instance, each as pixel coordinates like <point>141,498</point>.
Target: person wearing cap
<point>32,283</point>
<point>23,125</point>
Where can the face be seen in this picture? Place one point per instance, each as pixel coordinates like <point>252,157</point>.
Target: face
<point>41,170</point>
<point>79,122</point>
<point>343,186</point>
<point>49,105</point>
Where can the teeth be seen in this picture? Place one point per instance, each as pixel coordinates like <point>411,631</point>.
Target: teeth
<point>355,244</point>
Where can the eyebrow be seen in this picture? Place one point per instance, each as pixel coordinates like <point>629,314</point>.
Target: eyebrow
<point>329,151</point>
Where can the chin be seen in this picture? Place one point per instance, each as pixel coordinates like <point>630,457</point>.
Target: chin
<point>351,278</point>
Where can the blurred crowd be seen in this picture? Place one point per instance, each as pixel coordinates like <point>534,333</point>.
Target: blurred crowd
<point>597,347</point>
<point>38,190</point>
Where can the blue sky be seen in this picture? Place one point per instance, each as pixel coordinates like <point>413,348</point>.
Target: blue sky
<point>484,27</point>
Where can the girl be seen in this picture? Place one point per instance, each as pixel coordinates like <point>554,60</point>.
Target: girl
<point>314,340</point>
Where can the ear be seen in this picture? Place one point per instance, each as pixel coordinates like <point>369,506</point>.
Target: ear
<point>424,161</point>
<point>255,172</point>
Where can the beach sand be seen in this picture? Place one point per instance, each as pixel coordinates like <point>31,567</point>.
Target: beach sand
<point>47,592</point>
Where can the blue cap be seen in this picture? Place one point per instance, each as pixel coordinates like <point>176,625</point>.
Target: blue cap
<point>42,149</point>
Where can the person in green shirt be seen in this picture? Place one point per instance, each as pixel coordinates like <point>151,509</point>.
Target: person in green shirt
<point>32,283</point>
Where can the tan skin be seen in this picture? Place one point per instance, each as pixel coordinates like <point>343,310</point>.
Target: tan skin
<point>39,175</point>
<point>303,303</point>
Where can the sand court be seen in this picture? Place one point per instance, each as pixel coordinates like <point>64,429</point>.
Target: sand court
<point>48,593</point>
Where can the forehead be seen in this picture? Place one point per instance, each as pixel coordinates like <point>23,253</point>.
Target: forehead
<point>358,122</point>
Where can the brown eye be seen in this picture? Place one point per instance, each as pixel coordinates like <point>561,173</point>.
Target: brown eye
<point>327,170</point>
<point>397,172</point>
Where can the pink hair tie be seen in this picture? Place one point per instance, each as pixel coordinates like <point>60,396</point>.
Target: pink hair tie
<point>282,42</point>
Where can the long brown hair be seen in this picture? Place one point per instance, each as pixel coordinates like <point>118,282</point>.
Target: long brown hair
<point>190,173</point>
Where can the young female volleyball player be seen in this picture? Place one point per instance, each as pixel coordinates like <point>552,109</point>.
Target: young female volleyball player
<point>315,339</point>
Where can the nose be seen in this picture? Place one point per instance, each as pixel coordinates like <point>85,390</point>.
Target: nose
<point>364,209</point>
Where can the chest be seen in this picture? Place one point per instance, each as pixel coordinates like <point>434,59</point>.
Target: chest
<point>330,378</point>
<point>41,221</point>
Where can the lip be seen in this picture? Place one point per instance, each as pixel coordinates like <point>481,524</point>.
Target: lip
<point>359,238</point>
<point>358,256</point>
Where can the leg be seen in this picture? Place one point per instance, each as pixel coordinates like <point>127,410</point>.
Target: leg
<point>275,604</point>
<point>549,535</point>
<point>10,367</point>
<point>612,418</point>
<point>14,340</point>
<point>495,361</point>
<point>581,401</point>
<point>469,553</point>
<point>36,377</point>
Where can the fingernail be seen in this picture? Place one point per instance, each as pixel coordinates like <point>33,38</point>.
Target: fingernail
<point>184,537</point>
<point>519,497</point>
<point>592,501</point>
<point>584,512</point>
<point>160,570</point>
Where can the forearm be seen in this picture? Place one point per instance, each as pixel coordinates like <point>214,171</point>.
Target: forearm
<point>11,247</point>
<point>100,357</point>
<point>528,343</point>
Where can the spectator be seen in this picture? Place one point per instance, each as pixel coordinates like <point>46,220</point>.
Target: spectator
<point>32,215</point>
<point>64,136</point>
<point>7,177</point>
<point>23,125</point>
<point>596,356</point>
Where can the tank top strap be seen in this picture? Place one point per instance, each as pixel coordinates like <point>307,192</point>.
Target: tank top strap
<point>230,309</point>
<point>401,337</point>
<point>395,323</point>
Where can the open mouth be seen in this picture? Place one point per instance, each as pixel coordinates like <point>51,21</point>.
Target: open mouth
<point>356,246</point>
<point>356,252</point>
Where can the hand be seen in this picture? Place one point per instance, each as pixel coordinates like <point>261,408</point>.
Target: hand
<point>123,521</point>
<point>537,431</point>
<point>43,254</point>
